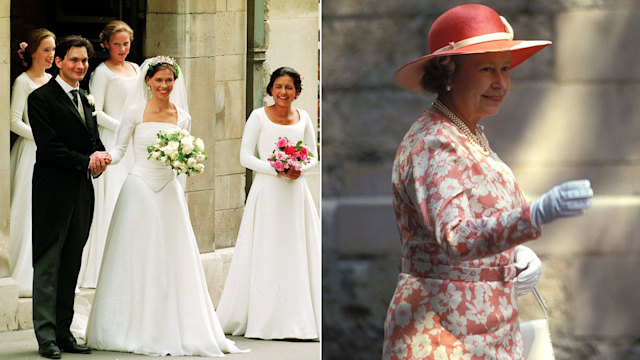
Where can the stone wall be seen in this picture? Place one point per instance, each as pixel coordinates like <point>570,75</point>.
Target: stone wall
<point>231,49</point>
<point>571,113</point>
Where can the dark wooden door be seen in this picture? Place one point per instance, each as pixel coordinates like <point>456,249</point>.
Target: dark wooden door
<point>74,17</point>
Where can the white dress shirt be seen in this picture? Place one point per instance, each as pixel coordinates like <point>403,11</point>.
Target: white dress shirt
<point>67,89</point>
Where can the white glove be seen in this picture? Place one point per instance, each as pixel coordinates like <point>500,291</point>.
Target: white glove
<point>529,269</point>
<point>568,199</point>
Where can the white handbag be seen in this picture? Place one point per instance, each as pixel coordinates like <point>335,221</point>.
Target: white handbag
<point>535,334</point>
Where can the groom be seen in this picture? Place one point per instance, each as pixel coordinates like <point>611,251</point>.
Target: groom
<point>69,152</point>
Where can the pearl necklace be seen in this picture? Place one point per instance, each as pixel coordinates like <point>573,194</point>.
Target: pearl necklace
<point>476,139</point>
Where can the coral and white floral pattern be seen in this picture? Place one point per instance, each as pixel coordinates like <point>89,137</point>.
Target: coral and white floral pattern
<point>459,214</point>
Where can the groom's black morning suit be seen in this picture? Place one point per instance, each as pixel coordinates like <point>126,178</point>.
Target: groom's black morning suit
<point>62,203</point>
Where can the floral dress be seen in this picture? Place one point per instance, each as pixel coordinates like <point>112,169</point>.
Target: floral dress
<point>459,213</point>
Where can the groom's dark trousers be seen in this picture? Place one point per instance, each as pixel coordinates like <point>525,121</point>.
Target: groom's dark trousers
<point>62,204</point>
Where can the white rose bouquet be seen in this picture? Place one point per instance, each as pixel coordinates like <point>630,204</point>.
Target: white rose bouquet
<point>179,150</point>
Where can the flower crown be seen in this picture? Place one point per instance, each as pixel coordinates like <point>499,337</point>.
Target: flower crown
<point>23,46</point>
<point>162,59</point>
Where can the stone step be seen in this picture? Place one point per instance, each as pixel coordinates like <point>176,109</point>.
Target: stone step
<point>8,304</point>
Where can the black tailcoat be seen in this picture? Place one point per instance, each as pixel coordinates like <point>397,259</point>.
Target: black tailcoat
<point>64,144</point>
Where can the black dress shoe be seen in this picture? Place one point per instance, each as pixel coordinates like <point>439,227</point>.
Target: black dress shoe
<point>69,344</point>
<point>50,350</point>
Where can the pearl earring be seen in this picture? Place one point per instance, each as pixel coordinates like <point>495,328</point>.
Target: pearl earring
<point>448,88</point>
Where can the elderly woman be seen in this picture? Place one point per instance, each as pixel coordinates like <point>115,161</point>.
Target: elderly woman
<point>460,213</point>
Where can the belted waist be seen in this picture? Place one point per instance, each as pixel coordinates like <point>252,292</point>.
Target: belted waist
<point>447,272</point>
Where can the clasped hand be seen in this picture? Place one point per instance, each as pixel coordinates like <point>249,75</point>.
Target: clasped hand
<point>98,162</point>
<point>291,174</point>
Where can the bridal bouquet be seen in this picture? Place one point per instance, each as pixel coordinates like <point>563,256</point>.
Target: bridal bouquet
<point>288,155</point>
<point>179,150</point>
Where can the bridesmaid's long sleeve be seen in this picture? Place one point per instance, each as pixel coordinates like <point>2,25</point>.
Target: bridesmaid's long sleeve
<point>19,96</point>
<point>248,157</point>
<point>310,141</point>
<point>98,86</point>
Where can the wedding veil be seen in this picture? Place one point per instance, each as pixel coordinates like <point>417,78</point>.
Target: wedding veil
<point>141,92</point>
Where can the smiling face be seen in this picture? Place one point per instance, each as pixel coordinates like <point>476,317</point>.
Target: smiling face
<point>161,83</point>
<point>480,84</point>
<point>119,45</point>
<point>43,56</point>
<point>284,91</point>
<point>74,65</point>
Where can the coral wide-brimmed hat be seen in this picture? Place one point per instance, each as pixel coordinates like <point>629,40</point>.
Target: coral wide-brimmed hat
<point>467,29</point>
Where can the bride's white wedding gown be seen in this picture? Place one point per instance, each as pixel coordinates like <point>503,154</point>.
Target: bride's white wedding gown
<point>152,296</point>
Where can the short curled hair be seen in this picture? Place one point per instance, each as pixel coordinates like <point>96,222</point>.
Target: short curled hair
<point>34,38</point>
<point>438,72</point>
<point>297,79</point>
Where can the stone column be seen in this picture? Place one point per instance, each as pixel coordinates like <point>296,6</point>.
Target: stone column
<point>8,286</point>
<point>5,86</point>
<point>230,103</point>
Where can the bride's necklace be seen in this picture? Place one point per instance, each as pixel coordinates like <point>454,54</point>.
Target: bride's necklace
<point>476,139</point>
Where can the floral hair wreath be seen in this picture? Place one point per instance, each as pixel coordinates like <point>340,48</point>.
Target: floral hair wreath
<point>162,59</point>
<point>23,46</point>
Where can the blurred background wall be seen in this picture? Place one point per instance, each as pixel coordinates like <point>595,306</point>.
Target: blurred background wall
<point>573,112</point>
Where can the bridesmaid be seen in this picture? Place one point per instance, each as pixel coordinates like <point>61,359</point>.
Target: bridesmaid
<point>37,55</point>
<point>110,84</point>
<point>273,287</point>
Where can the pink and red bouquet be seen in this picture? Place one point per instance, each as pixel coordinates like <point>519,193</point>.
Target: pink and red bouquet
<point>288,155</point>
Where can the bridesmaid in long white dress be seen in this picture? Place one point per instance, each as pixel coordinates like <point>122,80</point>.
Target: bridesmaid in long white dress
<point>273,289</point>
<point>37,56</point>
<point>110,84</point>
<point>152,295</point>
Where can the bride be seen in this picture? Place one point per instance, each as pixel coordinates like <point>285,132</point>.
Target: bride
<point>152,294</point>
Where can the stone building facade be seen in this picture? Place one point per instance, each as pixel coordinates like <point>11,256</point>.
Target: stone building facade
<point>209,40</point>
<point>572,113</point>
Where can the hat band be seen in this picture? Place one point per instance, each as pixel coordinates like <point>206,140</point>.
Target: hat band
<point>508,35</point>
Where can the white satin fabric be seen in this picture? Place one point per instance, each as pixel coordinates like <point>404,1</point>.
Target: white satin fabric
<point>152,294</point>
